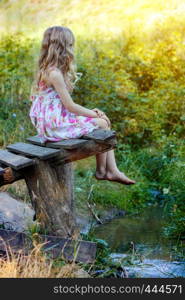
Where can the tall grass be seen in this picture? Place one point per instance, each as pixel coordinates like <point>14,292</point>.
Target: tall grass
<point>36,264</point>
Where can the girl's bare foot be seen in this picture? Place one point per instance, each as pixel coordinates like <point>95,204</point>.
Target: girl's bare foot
<point>117,176</point>
<point>99,176</point>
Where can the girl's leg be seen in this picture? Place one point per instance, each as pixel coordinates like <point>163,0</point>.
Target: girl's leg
<point>101,160</point>
<point>106,167</point>
<point>112,171</point>
<point>101,157</point>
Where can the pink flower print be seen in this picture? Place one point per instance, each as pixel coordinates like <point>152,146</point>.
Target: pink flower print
<point>33,109</point>
<point>71,129</point>
<point>53,120</point>
<point>32,98</point>
<point>40,118</point>
<point>72,120</point>
<point>60,123</point>
<point>57,96</point>
<point>42,85</point>
<point>73,134</point>
<point>41,98</point>
<point>88,119</point>
<point>94,122</point>
<point>49,91</point>
<point>84,131</point>
<point>42,109</point>
<point>64,113</point>
<point>49,123</point>
<point>51,107</point>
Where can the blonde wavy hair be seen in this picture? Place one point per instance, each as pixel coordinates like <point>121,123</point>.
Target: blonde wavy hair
<point>57,49</point>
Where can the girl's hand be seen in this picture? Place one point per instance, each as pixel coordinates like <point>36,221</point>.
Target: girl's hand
<point>99,112</point>
<point>102,115</point>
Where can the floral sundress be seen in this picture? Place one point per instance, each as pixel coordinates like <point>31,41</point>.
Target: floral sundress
<point>53,121</point>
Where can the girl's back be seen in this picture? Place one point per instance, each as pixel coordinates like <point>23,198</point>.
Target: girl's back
<point>53,121</point>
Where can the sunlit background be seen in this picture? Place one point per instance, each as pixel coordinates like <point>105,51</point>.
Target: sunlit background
<point>108,17</point>
<point>119,21</point>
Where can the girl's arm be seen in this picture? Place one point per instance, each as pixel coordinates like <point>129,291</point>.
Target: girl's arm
<point>57,80</point>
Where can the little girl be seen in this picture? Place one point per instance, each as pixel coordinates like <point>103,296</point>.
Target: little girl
<point>54,113</point>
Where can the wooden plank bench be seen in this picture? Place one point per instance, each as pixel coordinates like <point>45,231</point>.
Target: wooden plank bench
<point>70,250</point>
<point>48,172</point>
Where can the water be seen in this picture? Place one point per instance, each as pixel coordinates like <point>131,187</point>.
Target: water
<point>137,241</point>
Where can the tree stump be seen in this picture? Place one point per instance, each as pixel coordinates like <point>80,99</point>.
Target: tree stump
<point>48,171</point>
<point>52,196</point>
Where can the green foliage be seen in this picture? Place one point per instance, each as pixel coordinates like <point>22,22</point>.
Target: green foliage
<point>139,84</point>
<point>16,61</point>
<point>16,67</point>
<point>104,265</point>
<point>159,174</point>
<point>139,94</point>
<point>35,229</point>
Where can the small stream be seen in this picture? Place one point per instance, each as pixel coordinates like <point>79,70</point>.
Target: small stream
<point>137,241</point>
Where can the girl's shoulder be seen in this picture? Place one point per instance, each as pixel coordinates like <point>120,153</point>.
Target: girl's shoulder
<point>53,72</point>
<point>45,80</point>
<point>53,68</point>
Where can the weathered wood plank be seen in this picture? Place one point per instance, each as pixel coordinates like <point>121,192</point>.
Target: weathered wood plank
<point>69,249</point>
<point>100,135</point>
<point>36,140</point>
<point>85,250</point>
<point>66,144</point>
<point>12,239</point>
<point>33,150</point>
<point>88,149</point>
<point>15,161</point>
